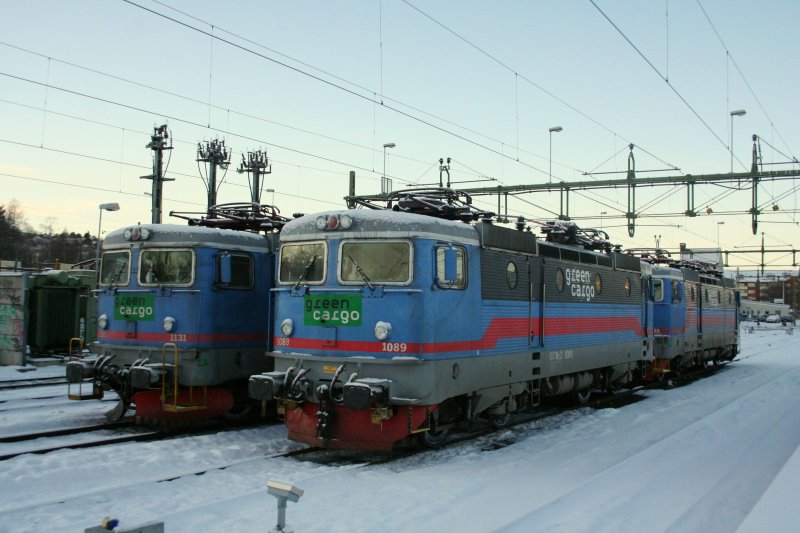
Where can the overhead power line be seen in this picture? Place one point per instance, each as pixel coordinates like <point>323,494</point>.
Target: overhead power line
<point>664,78</point>
<point>746,82</point>
<point>521,76</point>
<point>182,120</point>
<point>107,190</point>
<point>366,90</point>
<point>338,86</point>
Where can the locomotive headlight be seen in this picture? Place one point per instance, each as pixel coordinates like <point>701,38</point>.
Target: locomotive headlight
<point>345,221</point>
<point>321,222</point>
<point>287,327</point>
<point>169,324</point>
<point>102,321</point>
<point>383,330</point>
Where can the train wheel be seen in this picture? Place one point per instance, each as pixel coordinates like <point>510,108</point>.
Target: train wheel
<point>238,413</point>
<point>500,421</point>
<point>434,439</point>
<point>118,411</point>
<point>582,397</point>
<point>662,378</point>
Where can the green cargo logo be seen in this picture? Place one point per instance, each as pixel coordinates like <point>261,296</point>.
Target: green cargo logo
<point>327,310</point>
<point>134,307</point>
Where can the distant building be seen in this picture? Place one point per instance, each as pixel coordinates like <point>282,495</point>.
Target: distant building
<point>706,255</point>
<point>751,308</point>
<point>773,287</point>
<point>762,286</point>
<point>9,265</point>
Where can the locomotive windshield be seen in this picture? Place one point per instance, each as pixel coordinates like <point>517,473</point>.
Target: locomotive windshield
<point>166,267</point>
<point>302,263</point>
<point>115,269</point>
<point>375,262</point>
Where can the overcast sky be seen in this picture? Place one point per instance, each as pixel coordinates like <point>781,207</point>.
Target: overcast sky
<point>322,86</point>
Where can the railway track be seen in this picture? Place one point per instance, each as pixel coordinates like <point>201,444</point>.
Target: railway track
<point>121,431</point>
<point>125,430</point>
<point>19,437</point>
<point>38,382</point>
<point>40,402</point>
<point>119,484</point>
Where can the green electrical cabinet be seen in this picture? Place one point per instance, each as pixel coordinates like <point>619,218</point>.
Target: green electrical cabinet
<point>62,307</point>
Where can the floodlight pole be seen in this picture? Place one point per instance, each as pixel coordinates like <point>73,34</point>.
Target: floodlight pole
<point>737,113</point>
<point>554,129</point>
<point>103,207</point>
<point>385,188</point>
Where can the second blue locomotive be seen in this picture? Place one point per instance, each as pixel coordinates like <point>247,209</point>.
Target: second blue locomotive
<point>183,315</point>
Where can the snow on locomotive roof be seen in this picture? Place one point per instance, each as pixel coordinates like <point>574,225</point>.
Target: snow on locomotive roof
<point>667,272</point>
<point>382,224</point>
<point>195,236</point>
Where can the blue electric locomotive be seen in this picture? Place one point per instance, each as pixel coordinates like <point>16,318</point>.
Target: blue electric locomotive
<point>389,324</point>
<point>183,315</point>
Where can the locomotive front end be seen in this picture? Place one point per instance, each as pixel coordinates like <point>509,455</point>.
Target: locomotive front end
<point>349,346</point>
<point>172,337</point>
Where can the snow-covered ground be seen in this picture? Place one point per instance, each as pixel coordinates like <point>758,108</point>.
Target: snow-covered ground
<point>718,455</point>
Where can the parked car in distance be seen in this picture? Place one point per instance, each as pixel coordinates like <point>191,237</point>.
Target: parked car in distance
<point>773,319</point>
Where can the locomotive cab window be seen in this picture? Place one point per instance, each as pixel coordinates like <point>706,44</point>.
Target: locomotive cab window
<point>676,292</point>
<point>166,267</point>
<point>115,268</point>
<point>369,262</point>
<point>234,271</point>
<point>445,254</point>
<point>303,263</point>
<point>658,290</point>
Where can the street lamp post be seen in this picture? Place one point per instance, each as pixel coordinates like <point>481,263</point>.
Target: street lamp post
<point>554,129</point>
<point>601,218</point>
<point>719,247</point>
<point>737,113</point>
<point>273,195</point>
<point>384,180</point>
<point>103,207</point>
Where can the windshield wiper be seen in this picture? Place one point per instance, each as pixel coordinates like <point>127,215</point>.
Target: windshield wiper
<point>363,276</point>
<point>307,270</point>
<point>117,275</point>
